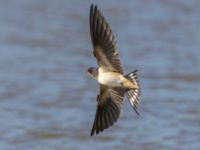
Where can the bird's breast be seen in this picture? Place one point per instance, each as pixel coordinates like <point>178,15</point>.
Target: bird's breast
<point>111,79</point>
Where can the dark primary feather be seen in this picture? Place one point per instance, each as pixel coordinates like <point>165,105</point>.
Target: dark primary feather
<point>103,40</point>
<point>108,108</point>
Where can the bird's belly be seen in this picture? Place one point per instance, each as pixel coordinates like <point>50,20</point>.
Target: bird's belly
<point>110,79</point>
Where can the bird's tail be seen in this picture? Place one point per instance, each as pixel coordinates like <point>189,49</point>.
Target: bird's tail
<point>133,94</point>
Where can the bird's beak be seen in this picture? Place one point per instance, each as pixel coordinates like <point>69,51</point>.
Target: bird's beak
<point>87,73</point>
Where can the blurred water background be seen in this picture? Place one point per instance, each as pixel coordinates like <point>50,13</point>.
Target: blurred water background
<point>46,100</point>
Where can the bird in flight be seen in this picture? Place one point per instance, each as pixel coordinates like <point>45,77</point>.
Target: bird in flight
<point>113,84</point>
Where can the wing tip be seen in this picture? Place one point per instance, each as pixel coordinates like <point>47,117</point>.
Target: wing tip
<point>92,132</point>
<point>93,6</point>
<point>105,117</point>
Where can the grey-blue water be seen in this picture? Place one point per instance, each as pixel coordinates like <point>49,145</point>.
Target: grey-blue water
<point>48,103</point>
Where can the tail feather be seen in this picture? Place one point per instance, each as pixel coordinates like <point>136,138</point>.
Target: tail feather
<point>134,94</point>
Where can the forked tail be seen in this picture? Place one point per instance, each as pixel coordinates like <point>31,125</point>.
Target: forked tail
<point>133,94</point>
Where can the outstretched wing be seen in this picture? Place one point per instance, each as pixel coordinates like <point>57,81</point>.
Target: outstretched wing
<point>103,40</point>
<point>108,108</point>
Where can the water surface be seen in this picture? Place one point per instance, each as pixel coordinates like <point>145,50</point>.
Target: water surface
<point>48,103</point>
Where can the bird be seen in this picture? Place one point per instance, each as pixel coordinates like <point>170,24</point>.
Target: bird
<point>114,85</point>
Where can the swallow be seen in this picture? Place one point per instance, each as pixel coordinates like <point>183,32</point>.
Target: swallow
<point>109,74</point>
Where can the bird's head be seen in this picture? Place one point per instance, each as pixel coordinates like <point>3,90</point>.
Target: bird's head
<point>92,72</point>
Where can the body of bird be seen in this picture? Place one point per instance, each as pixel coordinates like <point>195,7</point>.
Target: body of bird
<point>108,78</point>
<point>114,79</point>
<point>109,74</point>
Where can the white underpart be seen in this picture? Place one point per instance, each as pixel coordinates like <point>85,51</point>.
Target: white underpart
<point>111,79</point>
